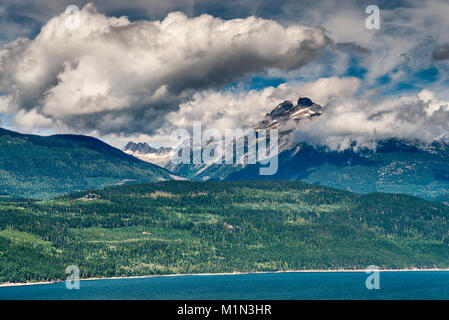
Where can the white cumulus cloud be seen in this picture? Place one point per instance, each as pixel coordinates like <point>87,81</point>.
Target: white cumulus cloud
<point>238,108</point>
<point>113,76</point>
<point>357,120</point>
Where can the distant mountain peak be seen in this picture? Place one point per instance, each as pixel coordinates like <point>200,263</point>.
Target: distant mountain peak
<point>285,111</point>
<point>143,151</point>
<point>143,147</point>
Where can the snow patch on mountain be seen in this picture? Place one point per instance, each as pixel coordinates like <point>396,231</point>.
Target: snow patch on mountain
<point>159,156</point>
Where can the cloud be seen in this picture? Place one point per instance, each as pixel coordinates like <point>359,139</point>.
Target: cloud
<point>24,18</point>
<point>404,24</point>
<point>115,76</point>
<point>405,30</point>
<point>238,108</point>
<point>441,52</point>
<point>345,121</point>
<point>349,117</point>
<point>119,77</point>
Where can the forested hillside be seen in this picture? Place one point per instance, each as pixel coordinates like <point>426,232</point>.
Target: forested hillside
<point>43,167</point>
<point>194,227</point>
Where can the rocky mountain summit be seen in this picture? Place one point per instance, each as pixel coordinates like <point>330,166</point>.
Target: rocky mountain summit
<point>286,111</point>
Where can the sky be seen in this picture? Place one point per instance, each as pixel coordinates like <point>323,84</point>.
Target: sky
<point>137,70</point>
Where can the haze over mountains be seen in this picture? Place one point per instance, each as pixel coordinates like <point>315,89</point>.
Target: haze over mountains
<point>390,165</point>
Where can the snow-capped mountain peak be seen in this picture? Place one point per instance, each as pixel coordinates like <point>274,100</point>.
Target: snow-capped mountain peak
<point>304,109</point>
<point>285,117</point>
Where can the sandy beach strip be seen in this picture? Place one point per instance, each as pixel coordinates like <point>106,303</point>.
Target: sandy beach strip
<point>8,284</point>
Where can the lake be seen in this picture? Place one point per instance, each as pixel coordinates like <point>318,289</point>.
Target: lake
<point>285,286</point>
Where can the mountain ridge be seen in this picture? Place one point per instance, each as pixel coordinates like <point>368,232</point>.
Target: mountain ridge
<point>46,166</point>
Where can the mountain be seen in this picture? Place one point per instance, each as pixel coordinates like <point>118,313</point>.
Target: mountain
<point>399,166</point>
<point>159,156</point>
<point>286,111</point>
<point>396,167</point>
<point>42,167</point>
<point>226,226</point>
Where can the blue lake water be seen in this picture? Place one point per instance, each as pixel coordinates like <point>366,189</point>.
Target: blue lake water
<point>314,285</point>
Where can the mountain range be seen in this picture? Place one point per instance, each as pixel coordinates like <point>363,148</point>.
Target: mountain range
<point>393,165</point>
<point>44,167</point>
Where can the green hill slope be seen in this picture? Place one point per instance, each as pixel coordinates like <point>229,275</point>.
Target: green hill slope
<point>42,167</point>
<point>193,227</point>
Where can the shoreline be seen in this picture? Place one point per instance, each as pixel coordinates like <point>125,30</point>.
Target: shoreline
<point>8,284</point>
